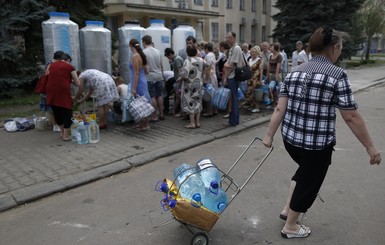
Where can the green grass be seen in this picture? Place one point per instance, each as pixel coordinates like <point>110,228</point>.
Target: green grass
<point>20,100</point>
<point>363,63</point>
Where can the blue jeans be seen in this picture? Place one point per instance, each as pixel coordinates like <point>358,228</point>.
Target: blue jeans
<point>234,113</point>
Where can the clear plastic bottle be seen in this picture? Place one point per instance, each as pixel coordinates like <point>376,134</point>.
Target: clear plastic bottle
<point>82,134</point>
<point>93,132</point>
<point>215,198</point>
<point>208,172</point>
<point>74,130</point>
<point>188,181</point>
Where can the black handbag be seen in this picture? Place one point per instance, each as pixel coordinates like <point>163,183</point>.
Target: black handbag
<point>243,73</point>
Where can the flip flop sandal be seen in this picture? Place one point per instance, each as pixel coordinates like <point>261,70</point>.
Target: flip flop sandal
<point>303,232</point>
<point>189,126</point>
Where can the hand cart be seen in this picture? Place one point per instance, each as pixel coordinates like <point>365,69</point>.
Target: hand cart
<point>195,217</point>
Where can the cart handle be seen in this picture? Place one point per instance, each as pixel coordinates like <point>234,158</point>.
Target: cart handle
<point>258,166</point>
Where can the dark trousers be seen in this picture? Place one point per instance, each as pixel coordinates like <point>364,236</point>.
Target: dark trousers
<point>62,116</point>
<point>169,86</point>
<point>312,168</point>
<point>234,113</point>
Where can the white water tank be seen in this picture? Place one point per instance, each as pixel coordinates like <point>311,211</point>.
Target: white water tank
<point>95,47</point>
<point>179,36</point>
<point>130,30</point>
<point>161,37</point>
<point>60,33</point>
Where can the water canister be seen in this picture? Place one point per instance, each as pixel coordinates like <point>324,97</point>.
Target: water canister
<point>266,97</point>
<point>95,47</point>
<point>208,172</point>
<point>130,30</point>
<point>74,130</point>
<point>60,33</point>
<point>188,181</point>
<point>215,198</point>
<point>82,135</point>
<point>161,37</point>
<point>93,132</point>
<point>179,36</point>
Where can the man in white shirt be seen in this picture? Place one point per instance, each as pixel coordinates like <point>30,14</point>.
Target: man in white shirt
<point>304,56</point>
<point>294,55</point>
<point>234,60</point>
<point>245,50</point>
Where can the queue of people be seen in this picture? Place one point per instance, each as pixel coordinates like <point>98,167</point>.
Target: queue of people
<point>192,69</point>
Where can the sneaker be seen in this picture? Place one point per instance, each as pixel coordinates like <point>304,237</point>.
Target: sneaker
<point>255,110</point>
<point>56,128</point>
<point>226,116</point>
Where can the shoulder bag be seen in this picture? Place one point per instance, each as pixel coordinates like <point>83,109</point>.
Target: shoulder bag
<point>243,73</point>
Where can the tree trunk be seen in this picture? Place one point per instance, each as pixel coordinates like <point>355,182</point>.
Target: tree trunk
<point>369,43</point>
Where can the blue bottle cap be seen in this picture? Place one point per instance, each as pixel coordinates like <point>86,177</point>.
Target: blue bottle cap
<point>221,206</point>
<point>164,187</point>
<point>172,203</point>
<point>197,197</point>
<point>214,184</point>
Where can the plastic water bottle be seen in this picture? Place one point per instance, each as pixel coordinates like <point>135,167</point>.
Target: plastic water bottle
<point>215,198</point>
<point>208,172</point>
<point>266,97</point>
<point>93,132</point>
<point>82,135</point>
<point>188,182</point>
<point>74,130</point>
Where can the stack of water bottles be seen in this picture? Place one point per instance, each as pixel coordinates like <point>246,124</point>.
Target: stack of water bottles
<point>84,131</point>
<point>201,184</point>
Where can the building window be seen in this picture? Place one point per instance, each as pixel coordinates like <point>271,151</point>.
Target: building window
<point>253,33</point>
<point>241,4</point>
<point>214,32</point>
<point>263,34</point>
<point>229,4</point>
<point>198,2</point>
<point>229,28</point>
<point>254,5</point>
<point>241,33</point>
<point>214,3</point>
<point>264,7</point>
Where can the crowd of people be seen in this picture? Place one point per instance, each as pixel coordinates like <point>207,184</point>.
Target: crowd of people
<point>191,69</point>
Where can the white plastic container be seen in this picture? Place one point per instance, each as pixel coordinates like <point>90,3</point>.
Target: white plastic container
<point>95,47</point>
<point>179,36</point>
<point>161,37</point>
<point>130,30</point>
<point>60,33</point>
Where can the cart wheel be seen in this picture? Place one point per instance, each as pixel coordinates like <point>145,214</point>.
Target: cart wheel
<point>200,238</point>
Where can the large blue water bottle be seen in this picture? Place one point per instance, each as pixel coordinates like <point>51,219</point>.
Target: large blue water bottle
<point>188,182</point>
<point>208,172</point>
<point>215,198</point>
<point>82,133</point>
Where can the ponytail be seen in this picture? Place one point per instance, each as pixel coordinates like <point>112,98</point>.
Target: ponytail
<point>135,44</point>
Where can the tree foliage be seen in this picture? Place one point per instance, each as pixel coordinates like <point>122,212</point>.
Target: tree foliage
<point>372,21</point>
<point>21,42</point>
<point>297,19</point>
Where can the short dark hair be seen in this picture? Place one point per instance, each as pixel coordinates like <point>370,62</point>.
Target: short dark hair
<point>147,39</point>
<point>58,55</point>
<point>66,56</point>
<point>191,38</point>
<point>168,51</point>
<point>191,50</point>
<point>209,47</point>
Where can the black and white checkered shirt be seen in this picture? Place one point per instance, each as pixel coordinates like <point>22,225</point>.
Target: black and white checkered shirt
<point>314,90</point>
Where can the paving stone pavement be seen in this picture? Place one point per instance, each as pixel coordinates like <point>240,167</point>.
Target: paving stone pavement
<point>35,164</point>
